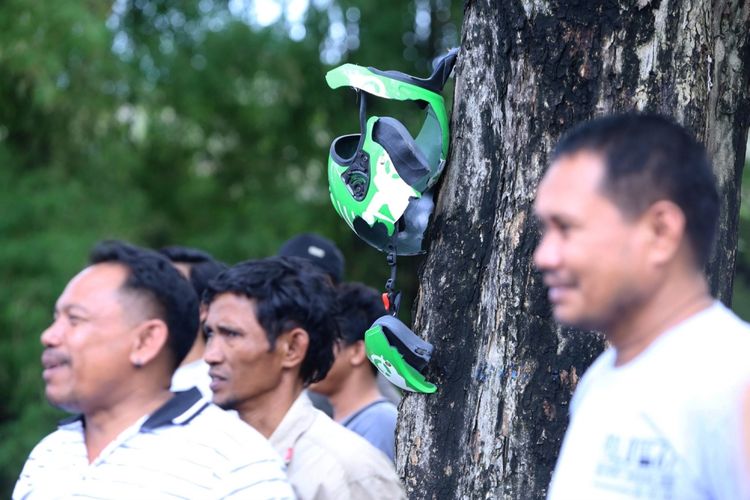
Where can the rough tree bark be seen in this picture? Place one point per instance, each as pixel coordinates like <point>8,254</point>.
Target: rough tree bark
<point>527,71</point>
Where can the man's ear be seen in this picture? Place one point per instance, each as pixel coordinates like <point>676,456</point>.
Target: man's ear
<point>666,225</point>
<point>293,345</point>
<point>357,353</point>
<point>150,338</point>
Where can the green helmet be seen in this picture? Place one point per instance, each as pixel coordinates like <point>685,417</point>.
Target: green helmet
<point>380,178</point>
<point>399,354</point>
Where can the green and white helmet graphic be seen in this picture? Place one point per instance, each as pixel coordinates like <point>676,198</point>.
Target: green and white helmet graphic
<point>380,179</point>
<point>400,366</point>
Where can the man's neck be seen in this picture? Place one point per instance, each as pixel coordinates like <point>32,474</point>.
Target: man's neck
<point>672,304</point>
<point>358,391</point>
<point>266,411</point>
<point>104,424</point>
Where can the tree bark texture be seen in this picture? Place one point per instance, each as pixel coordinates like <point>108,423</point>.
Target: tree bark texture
<point>527,71</point>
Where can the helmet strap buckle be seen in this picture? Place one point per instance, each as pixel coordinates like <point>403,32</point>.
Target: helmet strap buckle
<point>392,295</point>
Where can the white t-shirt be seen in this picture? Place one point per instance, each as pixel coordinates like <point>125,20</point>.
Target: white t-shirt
<point>187,449</point>
<point>191,375</point>
<point>667,424</point>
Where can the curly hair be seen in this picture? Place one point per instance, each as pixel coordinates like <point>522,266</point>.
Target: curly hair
<point>289,292</point>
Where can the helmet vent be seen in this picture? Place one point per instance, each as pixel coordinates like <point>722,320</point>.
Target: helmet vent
<point>357,176</point>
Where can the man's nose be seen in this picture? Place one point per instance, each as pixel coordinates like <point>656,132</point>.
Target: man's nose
<point>547,253</point>
<point>213,353</point>
<point>53,334</point>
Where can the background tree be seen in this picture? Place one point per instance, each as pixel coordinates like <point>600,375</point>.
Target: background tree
<point>527,71</point>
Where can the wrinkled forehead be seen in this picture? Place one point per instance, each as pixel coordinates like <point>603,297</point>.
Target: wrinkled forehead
<point>232,308</point>
<point>100,290</point>
<point>97,283</point>
<point>104,276</point>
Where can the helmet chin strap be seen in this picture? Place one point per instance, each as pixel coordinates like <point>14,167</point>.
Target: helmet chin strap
<point>392,297</point>
<point>397,352</point>
<point>362,98</point>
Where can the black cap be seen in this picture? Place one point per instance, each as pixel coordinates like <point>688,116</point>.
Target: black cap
<point>319,250</point>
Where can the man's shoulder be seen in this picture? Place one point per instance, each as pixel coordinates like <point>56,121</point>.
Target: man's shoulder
<point>376,423</point>
<point>204,433</point>
<point>245,460</point>
<point>226,432</point>
<point>186,448</point>
<point>68,435</point>
<point>351,461</point>
<point>716,338</point>
<point>382,411</point>
<point>347,449</point>
<point>720,319</point>
<point>383,408</point>
<point>712,341</point>
<point>62,449</point>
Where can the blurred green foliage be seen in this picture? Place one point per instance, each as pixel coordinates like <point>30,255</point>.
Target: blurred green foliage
<point>741,291</point>
<point>164,122</point>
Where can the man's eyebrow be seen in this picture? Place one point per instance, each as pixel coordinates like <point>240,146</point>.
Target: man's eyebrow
<point>555,219</point>
<point>225,328</point>
<point>71,308</point>
<point>562,219</point>
<point>541,217</point>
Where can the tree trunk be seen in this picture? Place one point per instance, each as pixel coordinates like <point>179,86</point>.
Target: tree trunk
<point>527,71</point>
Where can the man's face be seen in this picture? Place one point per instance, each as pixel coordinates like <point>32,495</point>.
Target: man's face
<point>592,256</point>
<point>340,371</point>
<point>86,348</point>
<point>243,366</point>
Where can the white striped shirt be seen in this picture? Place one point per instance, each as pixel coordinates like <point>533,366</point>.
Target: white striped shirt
<point>187,449</point>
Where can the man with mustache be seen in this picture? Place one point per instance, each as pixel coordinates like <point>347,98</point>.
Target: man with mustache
<point>271,328</point>
<point>628,210</point>
<point>120,328</point>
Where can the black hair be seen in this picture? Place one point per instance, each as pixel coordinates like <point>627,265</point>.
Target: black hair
<point>152,276</point>
<point>358,307</point>
<point>648,157</point>
<point>203,266</point>
<point>289,292</point>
